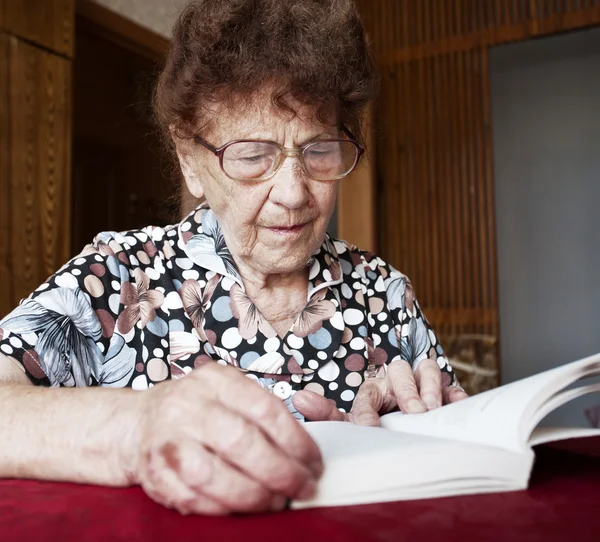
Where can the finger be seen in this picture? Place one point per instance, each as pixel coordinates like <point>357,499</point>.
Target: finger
<point>209,475</point>
<point>201,504</point>
<point>316,408</point>
<point>241,442</point>
<point>451,394</point>
<point>368,402</point>
<point>265,410</point>
<point>163,485</point>
<point>428,377</point>
<point>401,382</point>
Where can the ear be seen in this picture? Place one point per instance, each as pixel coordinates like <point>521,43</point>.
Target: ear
<point>186,163</point>
<point>189,173</point>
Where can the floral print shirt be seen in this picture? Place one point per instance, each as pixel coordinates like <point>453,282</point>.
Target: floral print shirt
<point>139,307</point>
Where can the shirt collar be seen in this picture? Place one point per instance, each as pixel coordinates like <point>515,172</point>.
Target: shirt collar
<point>201,238</point>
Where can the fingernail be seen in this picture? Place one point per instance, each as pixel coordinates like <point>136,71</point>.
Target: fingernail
<point>308,490</point>
<point>278,502</point>
<point>415,406</point>
<point>431,401</point>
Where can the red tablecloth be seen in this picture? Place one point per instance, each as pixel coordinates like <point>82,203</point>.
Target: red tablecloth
<point>563,503</point>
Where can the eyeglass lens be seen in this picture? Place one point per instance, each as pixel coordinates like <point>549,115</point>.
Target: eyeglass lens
<point>255,160</point>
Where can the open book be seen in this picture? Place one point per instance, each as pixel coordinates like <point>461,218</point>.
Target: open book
<point>482,444</point>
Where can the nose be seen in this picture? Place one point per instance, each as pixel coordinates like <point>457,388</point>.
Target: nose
<point>290,188</point>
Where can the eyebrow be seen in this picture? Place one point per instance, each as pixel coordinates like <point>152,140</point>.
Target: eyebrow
<point>306,141</point>
<point>318,136</point>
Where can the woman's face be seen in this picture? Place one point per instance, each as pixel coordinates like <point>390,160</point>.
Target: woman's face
<point>272,226</point>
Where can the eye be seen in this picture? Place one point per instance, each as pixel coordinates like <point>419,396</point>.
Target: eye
<point>323,148</point>
<point>319,152</point>
<point>250,150</point>
<point>253,159</point>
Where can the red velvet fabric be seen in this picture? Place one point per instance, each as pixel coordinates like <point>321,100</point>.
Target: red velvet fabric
<point>563,503</point>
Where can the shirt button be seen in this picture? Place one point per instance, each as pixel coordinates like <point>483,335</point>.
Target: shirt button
<point>283,390</point>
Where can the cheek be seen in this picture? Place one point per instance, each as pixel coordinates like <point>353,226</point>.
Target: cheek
<point>249,202</point>
<point>227,197</point>
<point>239,207</point>
<point>324,197</point>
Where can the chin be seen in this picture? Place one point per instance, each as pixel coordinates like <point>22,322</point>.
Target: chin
<point>286,263</point>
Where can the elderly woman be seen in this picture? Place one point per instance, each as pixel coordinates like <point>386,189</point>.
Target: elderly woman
<point>267,317</point>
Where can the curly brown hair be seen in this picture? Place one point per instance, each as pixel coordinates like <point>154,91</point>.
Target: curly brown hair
<point>224,51</point>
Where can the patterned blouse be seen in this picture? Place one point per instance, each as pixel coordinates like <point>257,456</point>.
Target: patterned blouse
<point>139,307</point>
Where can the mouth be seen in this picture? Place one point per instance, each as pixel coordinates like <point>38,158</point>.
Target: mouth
<point>288,230</point>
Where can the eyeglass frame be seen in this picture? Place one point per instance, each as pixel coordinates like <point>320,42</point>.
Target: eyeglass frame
<point>286,151</point>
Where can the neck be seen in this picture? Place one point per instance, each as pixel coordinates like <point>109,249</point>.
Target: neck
<point>278,297</point>
<point>257,281</point>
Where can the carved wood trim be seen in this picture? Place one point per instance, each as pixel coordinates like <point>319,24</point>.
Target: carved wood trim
<point>6,283</point>
<point>39,180</point>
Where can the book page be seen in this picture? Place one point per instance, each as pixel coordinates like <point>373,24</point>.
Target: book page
<point>500,417</point>
<point>372,464</point>
<point>560,399</point>
<point>542,435</point>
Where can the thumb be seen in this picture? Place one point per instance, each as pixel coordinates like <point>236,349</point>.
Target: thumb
<point>316,408</point>
<point>367,403</point>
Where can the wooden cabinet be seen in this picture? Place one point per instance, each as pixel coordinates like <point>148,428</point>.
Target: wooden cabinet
<point>35,143</point>
<point>47,23</point>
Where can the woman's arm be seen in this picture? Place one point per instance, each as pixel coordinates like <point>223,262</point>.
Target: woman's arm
<point>77,435</point>
<point>417,378</point>
<point>213,442</point>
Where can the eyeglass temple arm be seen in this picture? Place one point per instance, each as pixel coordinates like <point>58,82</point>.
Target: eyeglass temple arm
<point>361,149</point>
<point>206,144</point>
<point>348,133</point>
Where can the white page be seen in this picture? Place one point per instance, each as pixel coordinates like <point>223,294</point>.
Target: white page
<point>560,399</point>
<point>542,435</point>
<point>500,417</point>
<point>370,464</point>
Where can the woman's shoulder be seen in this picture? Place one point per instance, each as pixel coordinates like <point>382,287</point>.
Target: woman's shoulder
<point>151,240</point>
<point>112,265</point>
<point>365,265</point>
<point>377,278</point>
<point>146,249</point>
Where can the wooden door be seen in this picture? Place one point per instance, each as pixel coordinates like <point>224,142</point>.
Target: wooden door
<point>118,158</point>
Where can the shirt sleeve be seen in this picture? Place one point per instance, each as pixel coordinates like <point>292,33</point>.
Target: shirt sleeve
<point>416,338</point>
<point>63,334</point>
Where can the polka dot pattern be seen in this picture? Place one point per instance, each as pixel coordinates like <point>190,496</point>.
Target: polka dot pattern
<point>156,303</point>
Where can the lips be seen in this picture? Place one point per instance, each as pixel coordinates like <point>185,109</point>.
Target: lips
<point>287,229</point>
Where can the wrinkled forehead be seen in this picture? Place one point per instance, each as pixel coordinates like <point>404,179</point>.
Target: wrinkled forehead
<point>259,117</point>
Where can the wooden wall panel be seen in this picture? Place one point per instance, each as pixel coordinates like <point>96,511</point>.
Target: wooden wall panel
<point>38,182</point>
<point>48,23</point>
<point>434,147</point>
<point>436,212</point>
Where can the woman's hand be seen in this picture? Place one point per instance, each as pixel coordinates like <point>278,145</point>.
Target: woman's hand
<point>400,388</point>
<point>215,443</point>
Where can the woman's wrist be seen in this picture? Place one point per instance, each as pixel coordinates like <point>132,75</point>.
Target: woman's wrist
<point>122,437</point>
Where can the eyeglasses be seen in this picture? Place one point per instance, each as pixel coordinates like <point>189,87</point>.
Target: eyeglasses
<point>257,160</point>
